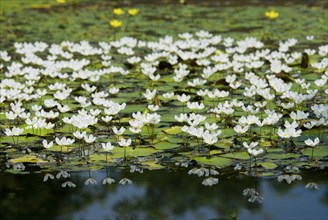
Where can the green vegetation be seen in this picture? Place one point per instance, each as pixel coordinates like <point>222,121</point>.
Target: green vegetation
<point>267,75</point>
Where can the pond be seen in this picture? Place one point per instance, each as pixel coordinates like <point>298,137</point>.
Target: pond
<point>210,109</point>
<point>164,194</point>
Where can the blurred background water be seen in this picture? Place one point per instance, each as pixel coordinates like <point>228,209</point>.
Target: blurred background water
<point>163,194</point>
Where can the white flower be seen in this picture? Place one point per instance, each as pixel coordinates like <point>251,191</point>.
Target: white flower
<point>231,78</point>
<point>63,108</point>
<point>240,129</point>
<point>312,143</point>
<point>107,118</point>
<point>183,98</point>
<point>283,133</point>
<point>64,141</point>
<point>211,127</point>
<point>203,92</point>
<point>209,138</point>
<point>309,37</point>
<point>79,135</point>
<point>107,146</point>
<point>168,95</point>
<point>89,139</point>
<point>135,130</point>
<point>14,131</point>
<point>95,112</point>
<point>153,107</point>
<point>152,118</point>
<point>124,142</point>
<point>251,145</point>
<point>196,82</point>
<point>299,115</point>
<point>10,115</point>
<point>255,152</point>
<point>149,95</point>
<point>181,118</point>
<point>154,77</point>
<point>46,144</point>
<point>195,105</point>
<point>113,90</point>
<point>118,131</point>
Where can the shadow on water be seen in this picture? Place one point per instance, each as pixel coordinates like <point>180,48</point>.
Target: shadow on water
<point>161,195</point>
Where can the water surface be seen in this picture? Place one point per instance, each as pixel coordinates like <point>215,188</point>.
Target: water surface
<point>164,194</point>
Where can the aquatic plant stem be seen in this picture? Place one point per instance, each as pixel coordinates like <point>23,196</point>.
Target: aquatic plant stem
<point>124,153</point>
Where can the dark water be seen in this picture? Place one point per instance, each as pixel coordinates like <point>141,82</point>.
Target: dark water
<point>161,194</point>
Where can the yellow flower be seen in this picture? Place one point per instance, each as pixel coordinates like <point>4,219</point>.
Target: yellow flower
<point>61,1</point>
<point>118,11</point>
<point>115,23</point>
<point>133,11</point>
<point>272,14</point>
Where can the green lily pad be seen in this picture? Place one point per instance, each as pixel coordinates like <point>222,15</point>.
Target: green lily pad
<point>279,154</point>
<point>238,155</point>
<point>268,165</point>
<point>27,159</point>
<point>173,130</point>
<point>215,161</point>
<point>165,145</point>
<point>319,152</point>
<point>152,165</point>
<point>118,152</point>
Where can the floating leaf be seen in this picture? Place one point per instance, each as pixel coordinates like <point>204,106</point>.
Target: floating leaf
<point>165,145</point>
<point>279,154</point>
<point>268,165</point>
<point>27,159</point>
<point>152,165</point>
<point>319,152</point>
<point>173,130</point>
<point>214,161</point>
<point>238,155</point>
<point>118,152</point>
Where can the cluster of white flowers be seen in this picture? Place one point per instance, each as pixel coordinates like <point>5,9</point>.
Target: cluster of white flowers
<point>82,85</point>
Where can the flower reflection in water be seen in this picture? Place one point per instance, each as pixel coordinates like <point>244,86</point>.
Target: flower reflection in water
<point>254,197</point>
<point>289,178</point>
<point>108,180</point>
<point>312,185</point>
<point>90,180</point>
<point>68,184</point>
<point>125,181</point>
<point>48,176</point>
<point>210,181</point>
<point>134,168</point>
<point>221,200</point>
<point>63,174</point>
